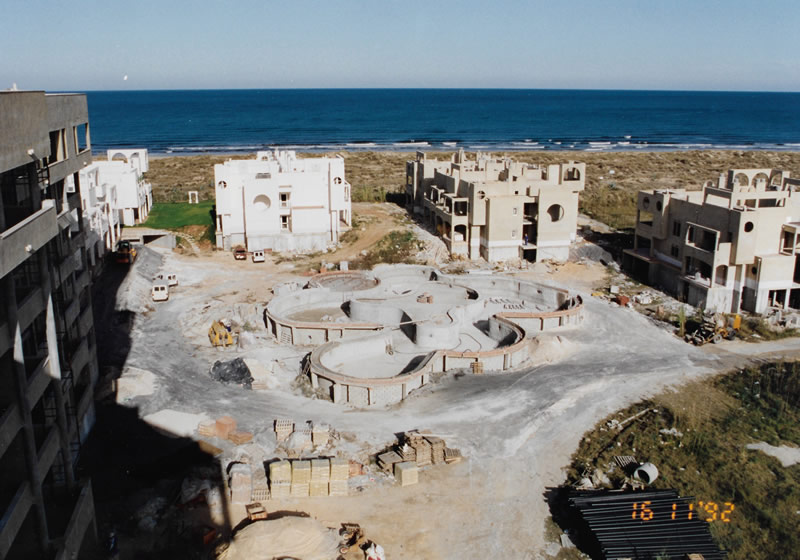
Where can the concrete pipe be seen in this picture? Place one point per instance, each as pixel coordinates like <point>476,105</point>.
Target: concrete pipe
<point>647,473</point>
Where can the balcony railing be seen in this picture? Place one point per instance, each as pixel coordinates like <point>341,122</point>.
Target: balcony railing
<point>20,241</point>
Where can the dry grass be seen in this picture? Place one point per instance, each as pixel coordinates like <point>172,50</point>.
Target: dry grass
<point>608,198</point>
<point>716,419</point>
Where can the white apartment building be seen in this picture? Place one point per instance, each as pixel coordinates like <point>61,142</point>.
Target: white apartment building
<point>101,214</point>
<point>279,202</point>
<point>125,170</point>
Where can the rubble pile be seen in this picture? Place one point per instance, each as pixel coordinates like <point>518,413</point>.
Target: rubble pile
<point>232,372</point>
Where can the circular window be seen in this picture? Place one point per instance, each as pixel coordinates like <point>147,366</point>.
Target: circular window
<point>223,184</point>
<point>748,227</point>
<point>659,206</point>
<point>556,212</point>
<point>262,203</point>
<point>481,195</point>
<point>754,270</point>
<point>646,202</point>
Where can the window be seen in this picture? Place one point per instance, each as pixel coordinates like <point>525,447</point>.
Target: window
<point>337,181</point>
<point>556,212</point>
<point>284,200</point>
<point>513,234</point>
<point>284,222</point>
<point>676,229</point>
<point>81,137</point>
<point>263,175</point>
<point>675,251</point>
<point>515,211</point>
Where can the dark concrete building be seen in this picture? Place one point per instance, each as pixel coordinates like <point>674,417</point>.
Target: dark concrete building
<point>48,363</point>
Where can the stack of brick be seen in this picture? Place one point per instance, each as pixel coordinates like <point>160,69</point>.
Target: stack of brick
<point>225,426</point>
<point>388,459</point>
<point>437,449</point>
<point>283,429</point>
<point>280,479</point>
<point>320,434</point>
<point>340,472</point>
<point>260,486</point>
<point>241,483</point>
<point>451,455</point>
<point>320,477</point>
<point>422,449</point>
<point>407,453</point>
<point>406,473</point>
<point>207,428</point>
<point>301,479</point>
<point>240,436</point>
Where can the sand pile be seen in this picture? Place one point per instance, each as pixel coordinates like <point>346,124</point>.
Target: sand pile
<point>288,537</point>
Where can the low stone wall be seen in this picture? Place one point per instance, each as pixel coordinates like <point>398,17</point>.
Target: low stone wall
<point>365,392</point>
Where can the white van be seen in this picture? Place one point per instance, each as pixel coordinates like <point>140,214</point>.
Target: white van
<point>258,256</point>
<point>160,291</point>
<point>171,279</point>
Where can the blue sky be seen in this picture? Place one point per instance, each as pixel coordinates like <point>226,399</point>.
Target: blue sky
<point>199,44</point>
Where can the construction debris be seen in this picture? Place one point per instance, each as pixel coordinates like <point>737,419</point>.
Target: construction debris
<point>234,371</point>
<point>256,511</point>
<point>240,483</point>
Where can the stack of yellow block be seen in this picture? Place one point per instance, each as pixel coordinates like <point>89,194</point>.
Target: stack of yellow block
<point>301,479</point>
<point>280,479</point>
<point>406,473</point>
<point>260,486</point>
<point>320,476</point>
<point>340,472</point>
<point>320,434</point>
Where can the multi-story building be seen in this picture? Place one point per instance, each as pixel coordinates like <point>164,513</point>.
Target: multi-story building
<point>124,170</point>
<point>101,214</point>
<point>279,202</point>
<point>48,365</point>
<point>732,246</point>
<point>495,208</point>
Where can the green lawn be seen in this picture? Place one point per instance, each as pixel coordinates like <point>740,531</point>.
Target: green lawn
<point>180,214</point>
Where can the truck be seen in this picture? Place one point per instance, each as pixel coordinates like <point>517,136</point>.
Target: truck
<point>125,253</point>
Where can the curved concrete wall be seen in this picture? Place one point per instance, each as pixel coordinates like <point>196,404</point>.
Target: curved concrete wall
<point>365,392</point>
<point>376,313</point>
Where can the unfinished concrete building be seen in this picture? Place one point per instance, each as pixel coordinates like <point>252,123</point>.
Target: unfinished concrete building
<point>48,365</point>
<point>279,202</point>
<point>732,246</point>
<point>496,208</point>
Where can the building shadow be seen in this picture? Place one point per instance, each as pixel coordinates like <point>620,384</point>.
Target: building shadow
<point>138,472</point>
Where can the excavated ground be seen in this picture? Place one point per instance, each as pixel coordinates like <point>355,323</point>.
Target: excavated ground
<point>517,431</point>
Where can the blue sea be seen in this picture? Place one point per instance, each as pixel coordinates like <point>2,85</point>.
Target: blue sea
<point>318,120</point>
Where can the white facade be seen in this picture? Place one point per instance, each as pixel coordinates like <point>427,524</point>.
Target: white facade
<point>125,169</point>
<point>278,202</point>
<point>100,212</point>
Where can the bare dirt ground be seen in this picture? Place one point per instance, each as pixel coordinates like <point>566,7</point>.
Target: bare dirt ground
<point>516,430</point>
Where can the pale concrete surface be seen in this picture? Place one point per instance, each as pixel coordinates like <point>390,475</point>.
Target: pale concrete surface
<point>517,430</point>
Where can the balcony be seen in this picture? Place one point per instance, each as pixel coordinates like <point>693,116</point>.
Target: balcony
<point>14,516</point>
<point>48,452</point>
<point>80,521</point>
<point>28,236</point>
<point>39,381</point>
<point>10,423</point>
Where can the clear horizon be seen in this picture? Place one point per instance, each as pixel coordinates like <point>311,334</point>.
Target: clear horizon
<point>715,45</point>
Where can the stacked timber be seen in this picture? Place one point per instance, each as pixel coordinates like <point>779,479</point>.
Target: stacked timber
<point>437,449</point>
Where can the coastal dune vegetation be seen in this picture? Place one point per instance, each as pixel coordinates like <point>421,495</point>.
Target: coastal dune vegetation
<point>612,178</point>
